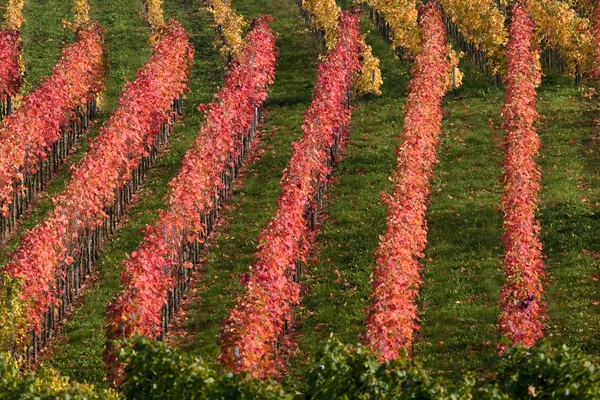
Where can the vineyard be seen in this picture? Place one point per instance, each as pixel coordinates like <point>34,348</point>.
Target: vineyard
<point>299,199</point>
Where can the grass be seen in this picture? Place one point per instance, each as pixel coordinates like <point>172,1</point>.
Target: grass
<point>461,274</point>
<point>569,218</point>
<point>462,265</point>
<point>43,42</point>
<point>463,260</point>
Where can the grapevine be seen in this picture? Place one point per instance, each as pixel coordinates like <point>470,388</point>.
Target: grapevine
<point>13,18</point>
<point>401,18</point>
<point>562,29</point>
<point>27,136</point>
<point>401,15</point>
<point>154,13</point>
<point>324,16</point>
<point>521,307</point>
<point>482,23</point>
<point>392,315</point>
<point>11,67</point>
<point>229,25</point>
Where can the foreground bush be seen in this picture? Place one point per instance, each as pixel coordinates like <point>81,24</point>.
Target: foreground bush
<point>157,371</point>
<point>343,372</point>
<point>46,384</point>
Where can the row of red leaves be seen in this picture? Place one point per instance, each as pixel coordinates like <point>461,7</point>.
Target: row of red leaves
<point>10,54</point>
<point>29,133</point>
<point>257,319</point>
<point>392,315</point>
<point>123,140</point>
<point>522,310</point>
<point>151,271</point>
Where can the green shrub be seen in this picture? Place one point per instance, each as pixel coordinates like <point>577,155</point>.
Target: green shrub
<point>155,371</point>
<point>544,373</point>
<point>345,372</point>
<point>46,384</point>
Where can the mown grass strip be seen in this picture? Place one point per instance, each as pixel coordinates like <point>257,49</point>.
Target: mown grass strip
<point>570,216</point>
<point>462,261</point>
<point>462,279</point>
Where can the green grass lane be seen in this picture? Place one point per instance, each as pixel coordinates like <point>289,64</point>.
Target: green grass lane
<point>78,350</point>
<point>463,261</point>
<point>43,38</point>
<point>461,275</point>
<point>569,216</point>
<point>3,4</point>
<point>253,203</point>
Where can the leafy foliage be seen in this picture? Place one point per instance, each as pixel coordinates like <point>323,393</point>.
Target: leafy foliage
<point>124,139</point>
<point>392,315</point>
<point>369,79</point>
<point>29,133</point>
<point>482,24</point>
<point>154,13</point>
<point>156,371</point>
<point>521,306</point>
<point>151,271</point>
<point>13,18</point>
<point>596,35</point>
<point>11,67</point>
<point>81,11</point>
<point>230,26</point>
<point>325,18</point>
<point>545,373</point>
<point>562,29</point>
<point>258,317</point>
<point>46,384</point>
<point>402,17</point>
<point>344,372</point>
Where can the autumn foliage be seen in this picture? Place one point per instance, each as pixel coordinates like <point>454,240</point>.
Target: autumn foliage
<point>482,24</point>
<point>392,315</point>
<point>154,13</point>
<point>27,136</point>
<point>10,69</point>
<point>521,305</point>
<point>153,269</point>
<point>144,106</point>
<point>560,26</point>
<point>404,33</point>
<point>324,17</point>
<point>401,15</point>
<point>258,317</point>
<point>229,25</point>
